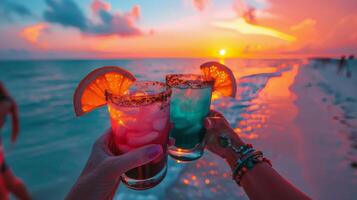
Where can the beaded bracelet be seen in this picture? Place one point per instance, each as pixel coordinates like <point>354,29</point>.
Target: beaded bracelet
<point>248,157</point>
<point>250,165</point>
<point>245,160</point>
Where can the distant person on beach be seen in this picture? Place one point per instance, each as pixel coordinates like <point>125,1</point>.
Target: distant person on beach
<point>341,64</point>
<point>100,177</point>
<point>8,181</point>
<point>349,70</point>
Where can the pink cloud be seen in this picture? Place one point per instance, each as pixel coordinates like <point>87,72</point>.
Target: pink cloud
<point>100,5</point>
<point>245,11</point>
<point>200,4</point>
<point>68,14</point>
<point>344,33</point>
<point>319,26</point>
<point>135,12</point>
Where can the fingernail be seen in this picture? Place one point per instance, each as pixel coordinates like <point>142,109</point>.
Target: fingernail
<point>154,151</point>
<point>208,123</point>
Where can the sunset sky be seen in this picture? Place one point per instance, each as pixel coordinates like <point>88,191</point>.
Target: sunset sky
<point>42,29</point>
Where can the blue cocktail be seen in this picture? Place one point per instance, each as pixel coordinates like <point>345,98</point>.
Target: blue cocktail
<point>190,104</point>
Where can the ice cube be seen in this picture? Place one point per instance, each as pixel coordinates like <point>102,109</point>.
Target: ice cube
<point>138,123</point>
<point>128,122</point>
<point>181,122</point>
<point>185,106</point>
<point>164,112</point>
<point>194,129</point>
<point>153,111</point>
<point>160,123</point>
<point>135,140</point>
<point>135,133</point>
<point>145,126</point>
<point>193,101</point>
<point>197,115</point>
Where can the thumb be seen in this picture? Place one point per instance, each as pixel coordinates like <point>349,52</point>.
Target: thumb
<point>136,158</point>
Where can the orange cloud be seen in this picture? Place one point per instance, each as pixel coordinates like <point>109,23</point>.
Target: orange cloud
<point>339,39</point>
<point>306,33</point>
<point>33,33</point>
<point>242,26</point>
<point>303,24</point>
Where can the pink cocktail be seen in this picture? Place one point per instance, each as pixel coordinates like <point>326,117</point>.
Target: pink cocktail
<point>138,118</point>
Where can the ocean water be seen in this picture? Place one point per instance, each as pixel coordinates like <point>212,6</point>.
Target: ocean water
<point>300,113</point>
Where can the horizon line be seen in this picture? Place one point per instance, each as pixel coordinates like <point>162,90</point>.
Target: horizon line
<point>196,58</point>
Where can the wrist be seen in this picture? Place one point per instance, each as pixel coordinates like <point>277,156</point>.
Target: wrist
<point>231,156</point>
<point>246,157</point>
<point>231,159</point>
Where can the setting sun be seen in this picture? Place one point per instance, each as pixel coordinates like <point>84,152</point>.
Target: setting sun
<point>222,52</point>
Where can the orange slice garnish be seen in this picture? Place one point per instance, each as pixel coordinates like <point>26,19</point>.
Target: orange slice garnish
<point>225,83</point>
<point>90,92</point>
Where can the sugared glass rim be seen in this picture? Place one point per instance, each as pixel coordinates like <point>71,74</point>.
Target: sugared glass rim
<point>194,81</point>
<point>130,100</point>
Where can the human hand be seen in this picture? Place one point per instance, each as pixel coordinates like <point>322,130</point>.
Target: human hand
<point>102,174</point>
<point>9,106</point>
<point>216,125</point>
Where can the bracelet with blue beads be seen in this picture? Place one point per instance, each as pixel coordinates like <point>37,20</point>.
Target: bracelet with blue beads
<point>248,157</point>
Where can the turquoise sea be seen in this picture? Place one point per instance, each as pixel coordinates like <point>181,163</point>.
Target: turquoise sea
<point>301,113</point>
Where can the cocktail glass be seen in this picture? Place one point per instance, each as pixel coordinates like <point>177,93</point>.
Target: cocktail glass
<point>138,118</point>
<point>190,104</point>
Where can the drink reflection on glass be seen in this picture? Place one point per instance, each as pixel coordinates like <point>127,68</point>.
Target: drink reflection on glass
<point>141,117</point>
<point>190,104</point>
